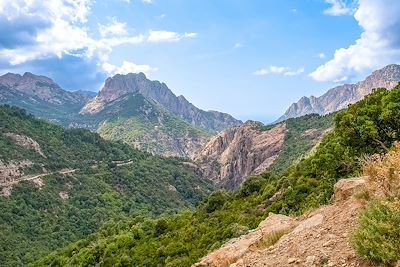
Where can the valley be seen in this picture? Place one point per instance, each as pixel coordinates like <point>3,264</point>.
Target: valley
<point>161,182</point>
<point>305,188</point>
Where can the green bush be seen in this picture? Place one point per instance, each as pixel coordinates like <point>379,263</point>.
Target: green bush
<point>377,236</point>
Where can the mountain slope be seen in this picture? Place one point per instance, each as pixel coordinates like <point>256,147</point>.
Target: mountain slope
<point>183,239</point>
<point>130,108</point>
<point>316,239</point>
<point>58,186</point>
<point>145,125</point>
<point>41,96</point>
<point>340,97</point>
<point>120,85</point>
<point>251,148</point>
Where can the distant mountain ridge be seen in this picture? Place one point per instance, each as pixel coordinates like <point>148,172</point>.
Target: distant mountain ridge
<point>340,97</point>
<point>143,113</point>
<point>41,87</point>
<point>119,85</point>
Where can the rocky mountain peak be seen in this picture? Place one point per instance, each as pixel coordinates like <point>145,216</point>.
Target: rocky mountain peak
<point>118,85</point>
<point>40,87</point>
<point>341,96</point>
<point>137,83</point>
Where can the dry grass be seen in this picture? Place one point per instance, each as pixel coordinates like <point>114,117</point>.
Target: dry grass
<point>270,239</point>
<point>384,174</point>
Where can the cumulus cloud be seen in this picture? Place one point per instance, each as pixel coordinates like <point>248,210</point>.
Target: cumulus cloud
<point>168,36</point>
<point>55,28</point>
<point>128,67</point>
<point>113,28</point>
<point>339,8</point>
<point>286,71</point>
<point>378,45</point>
<point>38,31</point>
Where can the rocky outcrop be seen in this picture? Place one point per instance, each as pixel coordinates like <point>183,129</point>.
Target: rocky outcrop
<point>237,248</point>
<point>319,238</point>
<point>26,142</point>
<point>341,96</point>
<point>10,171</point>
<point>240,151</point>
<point>132,83</point>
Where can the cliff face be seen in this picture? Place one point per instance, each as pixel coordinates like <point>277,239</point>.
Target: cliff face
<point>341,96</point>
<point>240,151</point>
<point>120,85</point>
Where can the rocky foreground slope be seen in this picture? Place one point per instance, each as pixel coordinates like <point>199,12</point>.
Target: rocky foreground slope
<point>341,96</point>
<point>319,238</point>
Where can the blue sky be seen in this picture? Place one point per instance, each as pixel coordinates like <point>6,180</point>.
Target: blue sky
<point>250,58</point>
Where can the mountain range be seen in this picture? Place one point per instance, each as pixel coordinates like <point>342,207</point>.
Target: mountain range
<point>341,96</point>
<point>131,108</point>
<point>147,115</point>
<point>62,184</point>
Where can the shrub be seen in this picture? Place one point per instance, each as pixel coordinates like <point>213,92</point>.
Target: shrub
<point>377,235</point>
<point>384,173</point>
<point>251,185</point>
<point>270,239</point>
<point>216,200</point>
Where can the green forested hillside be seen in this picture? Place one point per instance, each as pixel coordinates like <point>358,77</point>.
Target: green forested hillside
<point>139,121</point>
<point>37,218</point>
<point>370,126</point>
<point>136,118</point>
<point>303,133</point>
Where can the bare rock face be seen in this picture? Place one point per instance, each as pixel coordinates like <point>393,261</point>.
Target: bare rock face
<point>119,85</point>
<point>341,96</point>
<point>26,142</point>
<point>41,87</point>
<point>237,248</point>
<point>240,151</point>
<point>319,238</point>
<point>346,188</point>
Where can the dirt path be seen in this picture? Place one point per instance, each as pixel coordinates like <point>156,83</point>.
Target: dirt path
<point>33,177</point>
<point>62,172</point>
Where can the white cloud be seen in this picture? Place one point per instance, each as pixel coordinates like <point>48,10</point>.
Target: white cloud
<point>168,36</point>
<point>378,45</point>
<point>113,28</point>
<point>286,71</point>
<point>62,33</point>
<point>294,72</point>
<point>59,27</point>
<point>321,55</point>
<point>339,8</point>
<point>147,1</point>
<point>127,67</point>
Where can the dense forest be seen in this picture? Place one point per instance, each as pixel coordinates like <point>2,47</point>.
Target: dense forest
<point>36,219</point>
<point>365,128</point>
